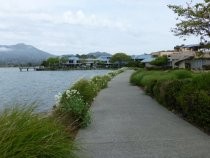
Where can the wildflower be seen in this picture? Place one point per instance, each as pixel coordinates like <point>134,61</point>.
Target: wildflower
<point>58,98</point>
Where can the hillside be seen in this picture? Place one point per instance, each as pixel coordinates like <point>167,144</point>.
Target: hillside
<point>98,54</point>
<point>21,54</point>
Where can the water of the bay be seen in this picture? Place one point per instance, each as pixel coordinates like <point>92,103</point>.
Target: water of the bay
<point>37,86</point>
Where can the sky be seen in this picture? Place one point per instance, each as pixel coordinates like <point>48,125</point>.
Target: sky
<point>82,26</point>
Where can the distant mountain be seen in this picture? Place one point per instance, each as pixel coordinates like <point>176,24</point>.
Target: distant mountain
<point>21,54</point>
<point>98,54</point>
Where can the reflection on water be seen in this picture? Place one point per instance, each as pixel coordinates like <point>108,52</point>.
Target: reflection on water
<point>37,86</point>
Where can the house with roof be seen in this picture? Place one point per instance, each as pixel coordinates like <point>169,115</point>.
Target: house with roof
<point>73,60</point>
<point>196,56</point>
<point>144,59</point>
<point>148,60</point>
<point>90,62</point>
<point>181,60</point>
<point>104,59</point>
<point>167,53</point>
<point>140,57</point>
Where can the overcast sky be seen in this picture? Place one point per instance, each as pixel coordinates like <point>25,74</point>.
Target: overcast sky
<point>83,26</point>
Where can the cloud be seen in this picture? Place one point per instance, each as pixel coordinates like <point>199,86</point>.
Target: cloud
<point>83,26</point>
<point>69,18</point>
<point>80,18</point>
<point>5,49</point>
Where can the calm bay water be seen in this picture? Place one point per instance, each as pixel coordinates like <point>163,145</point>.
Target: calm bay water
<point>37,86</point>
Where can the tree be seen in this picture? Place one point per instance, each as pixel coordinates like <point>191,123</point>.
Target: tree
<point>160,61</point>
<point>120,58</point>
<point>64,59</point>
<point>44,63</point>
<point>194,19</point>
<point>132,63</point>
<point>52,61</point>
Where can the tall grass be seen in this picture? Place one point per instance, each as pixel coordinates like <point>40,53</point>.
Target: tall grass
<point>25,134</point>
<point>73,110</point>
<point>181,74</point>
<point>144,77</point>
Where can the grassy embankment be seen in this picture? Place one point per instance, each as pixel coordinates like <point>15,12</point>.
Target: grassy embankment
<point>27,134</point>
<point>181,91</point>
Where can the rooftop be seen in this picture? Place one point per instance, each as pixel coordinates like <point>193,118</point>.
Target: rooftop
<point>141,57</point>
<point>148,60</point>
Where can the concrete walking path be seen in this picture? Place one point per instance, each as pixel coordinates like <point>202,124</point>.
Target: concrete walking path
<point>129,124</point>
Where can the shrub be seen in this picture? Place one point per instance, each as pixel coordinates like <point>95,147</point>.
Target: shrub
<point>116,72</point>
<point>26,134</point>
<point>112,73</point>
<point>136,78</point>
<point>101,82</point>
<point>160,61</point>
<point>87,89</point>
<point>159,90</point>
<point>73,108</point>
<point>172,90</point>
<point>107,77</point>
<point>135,64</point>
<point>149,88</point>
<point>182,74</point>
<point>183,91</point>
<point>201,112</point>
<point>195,106</point>
<point>202,81</point>
<point>149,76</point>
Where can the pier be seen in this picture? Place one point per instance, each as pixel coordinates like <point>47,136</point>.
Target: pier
<point>34,68</point>
<point>27,68</point>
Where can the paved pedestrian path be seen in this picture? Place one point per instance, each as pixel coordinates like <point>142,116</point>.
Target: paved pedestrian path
<point>129,124</point>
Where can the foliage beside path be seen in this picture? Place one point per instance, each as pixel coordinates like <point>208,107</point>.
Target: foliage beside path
<point>184,92</point>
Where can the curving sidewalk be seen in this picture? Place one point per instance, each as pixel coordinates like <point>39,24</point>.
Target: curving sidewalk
<point>129,124</point>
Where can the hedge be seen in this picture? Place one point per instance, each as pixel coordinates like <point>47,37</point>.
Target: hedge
<point>181,91</point>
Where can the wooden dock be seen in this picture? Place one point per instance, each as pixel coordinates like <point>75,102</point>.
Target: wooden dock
<point>27,68</point>
<point>33,68</point>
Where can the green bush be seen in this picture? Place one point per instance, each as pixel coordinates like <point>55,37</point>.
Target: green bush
<point>135,64</point>
<point>195,105</point>
<point>101,82</point>
<point>116,72</point>
<point>202,81</point>
<point>182,74</point>
<point>23,133</point>
<point>149,88</point>
<point>73,108</point>
<point>87,89</point>
<point>172,90</point>
<point>159,90</point>
<point>112,73</point>
<point>136,78</point>
<point>160,61</point>
<point>107,77</point>
<point>183,91</point>
<point>143,77</point>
